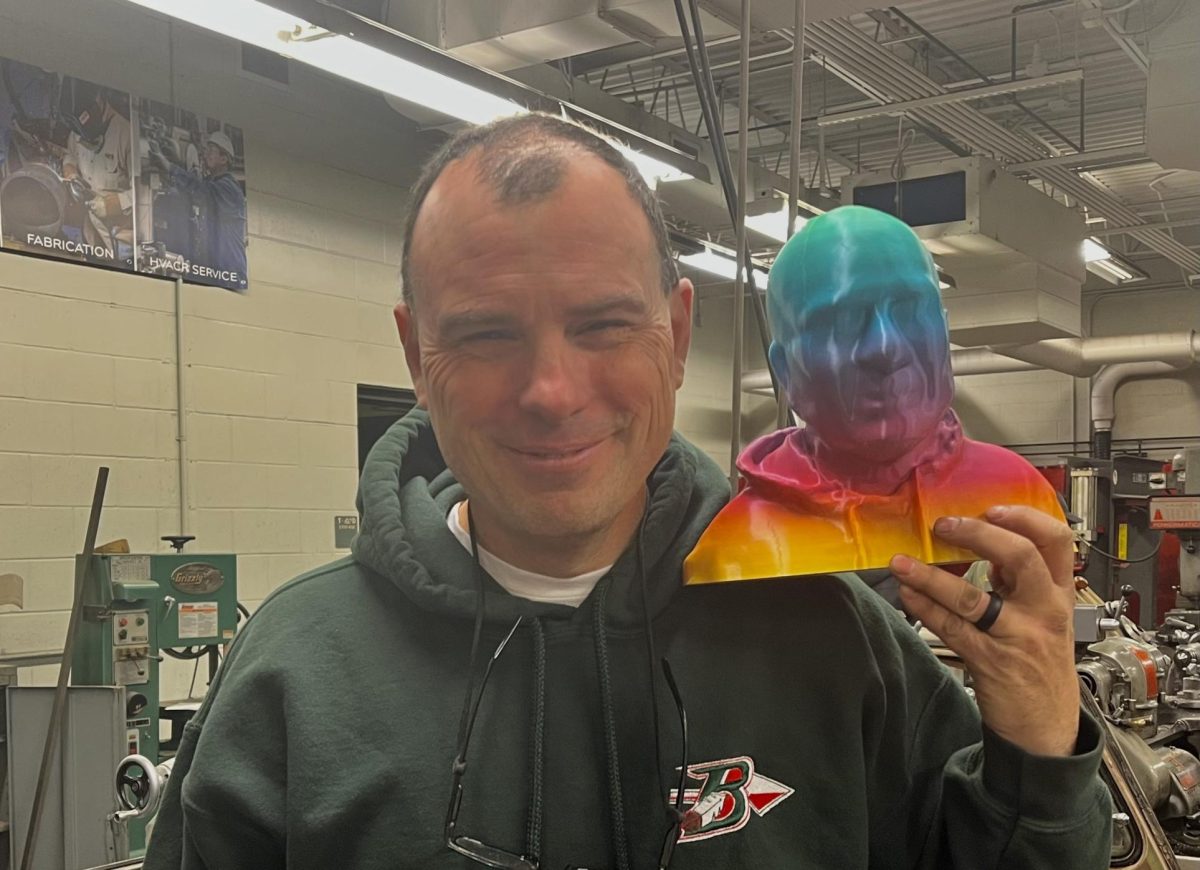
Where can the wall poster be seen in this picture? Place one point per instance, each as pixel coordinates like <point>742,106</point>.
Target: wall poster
<point>93,175</point>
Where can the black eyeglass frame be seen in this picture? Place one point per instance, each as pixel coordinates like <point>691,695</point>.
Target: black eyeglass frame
<point>477,850</point>
<point>502,859</point>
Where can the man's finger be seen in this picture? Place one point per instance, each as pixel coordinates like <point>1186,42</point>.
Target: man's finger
<point>950,627</point>
<point>1018,560</point>
<point>952,594</point>
<point>1051,536</point>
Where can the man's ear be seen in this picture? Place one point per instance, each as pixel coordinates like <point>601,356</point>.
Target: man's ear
<point>680,303</point>
<point>406,324</point>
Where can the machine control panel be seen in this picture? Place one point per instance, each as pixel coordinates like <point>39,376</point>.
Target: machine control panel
<point>131,627</point>
<point>1175,512</point>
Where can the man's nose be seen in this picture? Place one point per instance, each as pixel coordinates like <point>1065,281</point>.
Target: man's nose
<point>880,345</point>
<point>555,384</point>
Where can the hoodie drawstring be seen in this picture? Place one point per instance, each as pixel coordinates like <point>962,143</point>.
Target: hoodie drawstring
<point>536,808</point>
<point>616,804</point>
<point>533,827</point>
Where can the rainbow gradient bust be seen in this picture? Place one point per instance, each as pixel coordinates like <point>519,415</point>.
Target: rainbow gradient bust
<point>862,349</point>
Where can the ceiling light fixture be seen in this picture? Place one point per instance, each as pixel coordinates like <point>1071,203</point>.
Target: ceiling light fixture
<point>1106,264</point>
<point>273,29</point>
<point>722,266</point>
<point>774,224</point>
<point>1093,251</point>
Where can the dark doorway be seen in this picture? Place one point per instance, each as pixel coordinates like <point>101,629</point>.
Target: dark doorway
<point>379,408</point>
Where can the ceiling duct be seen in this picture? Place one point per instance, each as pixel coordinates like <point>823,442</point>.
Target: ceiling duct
<point>510,35</point>
<point>1078,357</point>
<point>520,33</point>
<point>1172,101</point>
<point>1016,254</point>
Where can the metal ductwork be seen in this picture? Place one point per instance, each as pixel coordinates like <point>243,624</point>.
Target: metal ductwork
<point>521,33</point>
<point>1104,387</point>
<point>1172,104</point>
<point>1104,393</point>
<point>1084,357</point>
<point>1079,357</point>
<point>876,72</point>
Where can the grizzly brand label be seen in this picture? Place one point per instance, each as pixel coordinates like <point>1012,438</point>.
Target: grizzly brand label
<point>197,578</point>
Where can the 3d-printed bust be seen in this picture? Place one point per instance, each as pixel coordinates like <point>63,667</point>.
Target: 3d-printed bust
<point>861,348</point>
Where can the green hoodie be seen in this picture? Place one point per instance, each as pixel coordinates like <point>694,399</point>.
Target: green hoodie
<point>822,732</point>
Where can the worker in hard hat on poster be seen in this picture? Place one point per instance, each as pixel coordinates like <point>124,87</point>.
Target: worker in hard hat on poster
<point>219,253</point>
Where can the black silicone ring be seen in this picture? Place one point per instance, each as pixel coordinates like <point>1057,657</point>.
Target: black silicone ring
<point>995,602</point>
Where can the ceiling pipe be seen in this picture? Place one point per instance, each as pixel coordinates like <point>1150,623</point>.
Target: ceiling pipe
<point>1104,387</point>
<point>982,361</point>
<point>1103,398</point>
<point>1079,357</point>
<point>1084,357</point>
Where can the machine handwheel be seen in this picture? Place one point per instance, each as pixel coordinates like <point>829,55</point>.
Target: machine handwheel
<point>139,785</point>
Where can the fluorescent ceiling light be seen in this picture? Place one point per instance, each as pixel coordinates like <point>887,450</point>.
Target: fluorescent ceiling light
<point>280,32</point>
<point>1110,271</point>
<point>1100,261</point>
<point>774,223</point>
<point>652,169</point>
<point>945,279</point>
<point>1093,251</point>
<point>720,265</point>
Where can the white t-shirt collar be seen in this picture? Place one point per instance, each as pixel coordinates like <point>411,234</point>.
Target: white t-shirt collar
<point>571,591</point>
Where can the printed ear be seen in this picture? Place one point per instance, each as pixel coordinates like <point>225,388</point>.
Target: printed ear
<point>777,359</point>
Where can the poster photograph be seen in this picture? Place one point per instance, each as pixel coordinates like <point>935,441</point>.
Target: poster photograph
<point>191,197</point>
<point>66,167</point>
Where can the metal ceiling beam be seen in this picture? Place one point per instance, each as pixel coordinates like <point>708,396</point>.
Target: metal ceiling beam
<point>1163,225</point>
<point>903,106</point>
<point>1086,159</point>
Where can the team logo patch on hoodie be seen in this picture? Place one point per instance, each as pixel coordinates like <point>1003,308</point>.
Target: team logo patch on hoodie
<point>729,793</point>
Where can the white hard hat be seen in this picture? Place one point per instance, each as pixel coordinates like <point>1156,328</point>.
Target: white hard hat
<point>221,141</point>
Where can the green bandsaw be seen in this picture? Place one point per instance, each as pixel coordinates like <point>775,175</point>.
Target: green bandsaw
<point>135,607</point>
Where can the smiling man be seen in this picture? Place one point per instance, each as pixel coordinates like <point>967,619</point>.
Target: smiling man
<point>486,681</point>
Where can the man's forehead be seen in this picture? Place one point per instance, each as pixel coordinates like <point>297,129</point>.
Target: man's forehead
<point>598,209</point>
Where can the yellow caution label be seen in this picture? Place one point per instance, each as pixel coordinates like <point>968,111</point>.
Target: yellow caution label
<point>1123,541</point>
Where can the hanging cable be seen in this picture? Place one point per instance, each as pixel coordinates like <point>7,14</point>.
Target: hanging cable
<point>706,93</point>
<point>1130,561</point>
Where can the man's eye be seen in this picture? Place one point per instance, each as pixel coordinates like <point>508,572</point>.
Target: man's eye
<point>605,325</point>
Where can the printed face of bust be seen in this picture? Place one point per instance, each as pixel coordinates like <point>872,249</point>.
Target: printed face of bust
<point>860,338</point>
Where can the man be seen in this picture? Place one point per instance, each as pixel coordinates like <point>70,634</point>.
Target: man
<point>862,350</point>
<point>405,708</point>
<point>99,154</point>
<point>221,203</point>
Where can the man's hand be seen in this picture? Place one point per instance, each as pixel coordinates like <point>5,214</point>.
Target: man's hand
<point>69,171</point>
<point>1024,665</point>
<point>158,160</point>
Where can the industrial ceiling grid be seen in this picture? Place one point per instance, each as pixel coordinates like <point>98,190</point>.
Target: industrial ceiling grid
<point>1051,39</point>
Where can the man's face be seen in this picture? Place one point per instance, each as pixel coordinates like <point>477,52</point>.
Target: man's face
<point>544,348</point>
<point>868,364</point>
<point>215,160</point>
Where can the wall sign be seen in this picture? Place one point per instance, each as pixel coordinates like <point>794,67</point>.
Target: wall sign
<point>93,175</point>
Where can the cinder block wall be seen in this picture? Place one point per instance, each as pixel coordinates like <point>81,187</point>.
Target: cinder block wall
<point>88,362</point>
<point>87,356</point>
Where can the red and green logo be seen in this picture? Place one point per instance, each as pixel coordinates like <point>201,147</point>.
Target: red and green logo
<point>729,793</point>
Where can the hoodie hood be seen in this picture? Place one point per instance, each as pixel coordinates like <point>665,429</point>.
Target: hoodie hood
<point>781,467</point>
<point>406,493</point>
